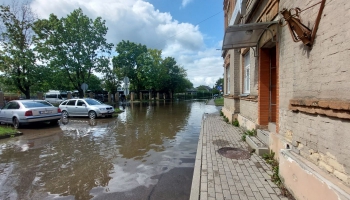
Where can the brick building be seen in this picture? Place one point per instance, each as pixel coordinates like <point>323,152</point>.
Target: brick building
<point>295,93</point>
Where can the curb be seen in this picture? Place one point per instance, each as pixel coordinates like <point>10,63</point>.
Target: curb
<point>196,180</point>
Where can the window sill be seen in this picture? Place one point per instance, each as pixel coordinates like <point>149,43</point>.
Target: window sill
<point>248,97</point>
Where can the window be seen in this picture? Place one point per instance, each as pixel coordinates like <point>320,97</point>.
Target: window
<point>228,79</point>
<point>80,103</point>
<point>246,82</point>
<point>71,103</point>
<point>35,104</point>
<point>13,105</point>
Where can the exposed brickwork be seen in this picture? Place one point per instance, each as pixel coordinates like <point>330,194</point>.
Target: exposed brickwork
<point>321,73</point>
<point>249,109</point>
<point>264,82</point>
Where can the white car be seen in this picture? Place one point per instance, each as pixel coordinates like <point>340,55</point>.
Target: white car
<point>85,108</point>
<point>20,112</point>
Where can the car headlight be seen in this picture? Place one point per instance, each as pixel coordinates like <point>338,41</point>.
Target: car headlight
<point>102,109</point>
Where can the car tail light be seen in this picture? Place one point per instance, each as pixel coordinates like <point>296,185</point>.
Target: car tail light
<point>28,113</point>
<point>59,110</point>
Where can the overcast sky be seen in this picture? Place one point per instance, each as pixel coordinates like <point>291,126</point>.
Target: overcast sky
<point>191,31</point>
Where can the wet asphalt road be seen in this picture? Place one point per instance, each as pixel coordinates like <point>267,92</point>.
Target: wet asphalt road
<point>147,152</point>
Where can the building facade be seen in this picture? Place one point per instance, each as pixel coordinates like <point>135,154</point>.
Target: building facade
<point>293,87</point>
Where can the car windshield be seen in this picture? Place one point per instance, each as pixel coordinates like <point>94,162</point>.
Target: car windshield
<point>92,102</point>
<point>35,104</point>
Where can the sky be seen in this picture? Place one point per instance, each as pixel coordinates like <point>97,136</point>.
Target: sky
<point>191,31</point>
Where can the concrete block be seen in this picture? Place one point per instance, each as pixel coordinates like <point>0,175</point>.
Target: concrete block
<point>259,147</point>
<point>263,136</point>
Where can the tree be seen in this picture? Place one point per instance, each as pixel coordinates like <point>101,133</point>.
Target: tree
<point>74,46</point>
<point>219,82</point>
<point>130,61</point>
<point>18,60</point>
<point>111,81</point>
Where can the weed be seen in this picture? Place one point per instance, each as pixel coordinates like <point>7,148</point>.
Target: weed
<point>250,132</point>
<point>221,113</point>
<point>244,137</point>
<point>235,123</point>
<point>226,119</point>
<point>269,158</point>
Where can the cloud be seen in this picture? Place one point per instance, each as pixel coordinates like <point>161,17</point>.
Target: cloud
<point>140,22</point>
<point>185,2</point>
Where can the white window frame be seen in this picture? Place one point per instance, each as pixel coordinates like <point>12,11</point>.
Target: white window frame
<point>228,81</point>
<point>246,77</point>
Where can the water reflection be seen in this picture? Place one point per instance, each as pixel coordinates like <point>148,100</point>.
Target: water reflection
<point>84,158</point>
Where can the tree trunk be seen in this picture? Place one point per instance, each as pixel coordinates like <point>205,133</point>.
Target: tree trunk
<point>81,93</point>
<point>27,92</point>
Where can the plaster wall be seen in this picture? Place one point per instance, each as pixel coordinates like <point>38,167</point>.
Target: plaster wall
<point>323,73</point>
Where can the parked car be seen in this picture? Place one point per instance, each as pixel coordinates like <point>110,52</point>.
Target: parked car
<point>54,96</point>
<point>20,112</point>
<point>85,107</point>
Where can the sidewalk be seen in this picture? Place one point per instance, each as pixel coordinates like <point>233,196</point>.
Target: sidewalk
<point>217,177</point>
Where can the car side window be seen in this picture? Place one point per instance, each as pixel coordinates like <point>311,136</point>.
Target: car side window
<point>13,105</point>
<point>80,103</point>
<point>7,105</point>
<point>71,103</point>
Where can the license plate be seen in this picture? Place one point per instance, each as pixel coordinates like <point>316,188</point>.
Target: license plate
<point>45,112</point>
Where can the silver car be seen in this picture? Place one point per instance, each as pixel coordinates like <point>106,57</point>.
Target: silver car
<point>85,107</point>
<point>18,112</point>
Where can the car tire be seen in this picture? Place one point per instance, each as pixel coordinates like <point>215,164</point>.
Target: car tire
<point>92,114</point>
<point>65,114</point>
<point>15,123</point>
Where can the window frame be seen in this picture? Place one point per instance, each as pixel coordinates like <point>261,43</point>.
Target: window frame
<point>246,73</point>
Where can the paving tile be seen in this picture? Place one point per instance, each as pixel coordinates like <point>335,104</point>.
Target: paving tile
<point>224,178</point>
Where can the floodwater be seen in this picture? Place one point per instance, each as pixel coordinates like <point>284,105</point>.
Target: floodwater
<point>147,152</point>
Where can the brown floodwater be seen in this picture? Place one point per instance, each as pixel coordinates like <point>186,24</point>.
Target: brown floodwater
<point>147,152</point>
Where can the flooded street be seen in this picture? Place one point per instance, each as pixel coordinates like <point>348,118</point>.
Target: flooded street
<point>147,152</point>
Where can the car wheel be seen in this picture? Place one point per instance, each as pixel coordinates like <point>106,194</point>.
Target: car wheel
<point>92,114</point>
<point>64,114</point>
<point>15,122</point>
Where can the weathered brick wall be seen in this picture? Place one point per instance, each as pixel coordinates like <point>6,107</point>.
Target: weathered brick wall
<point>249,109</point>
<point>320,73</point>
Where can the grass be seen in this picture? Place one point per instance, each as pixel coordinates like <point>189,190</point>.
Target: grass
<point>219,101</point>
<point>7,131</point>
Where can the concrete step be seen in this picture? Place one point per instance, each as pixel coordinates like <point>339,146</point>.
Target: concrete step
<point>258,145</point>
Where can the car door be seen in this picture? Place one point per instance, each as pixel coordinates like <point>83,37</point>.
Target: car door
<point>3,113</point>
<point>81,108</point>
<point>8,111</point>
<point>70,107</point>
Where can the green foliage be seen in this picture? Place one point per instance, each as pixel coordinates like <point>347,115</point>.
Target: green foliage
<point>4,131</point>
<point>147,69</point>
<point>226,119</point>
<point>130,62</point>
<point>73,46</point>
<point>18,60</point>
<point>221,113</point>
<point>243,137</point>
<point>219,82</point>
<point>269,158</point>
<point>235,123</point>
<point>219,101</point>
<point>250,132</point>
